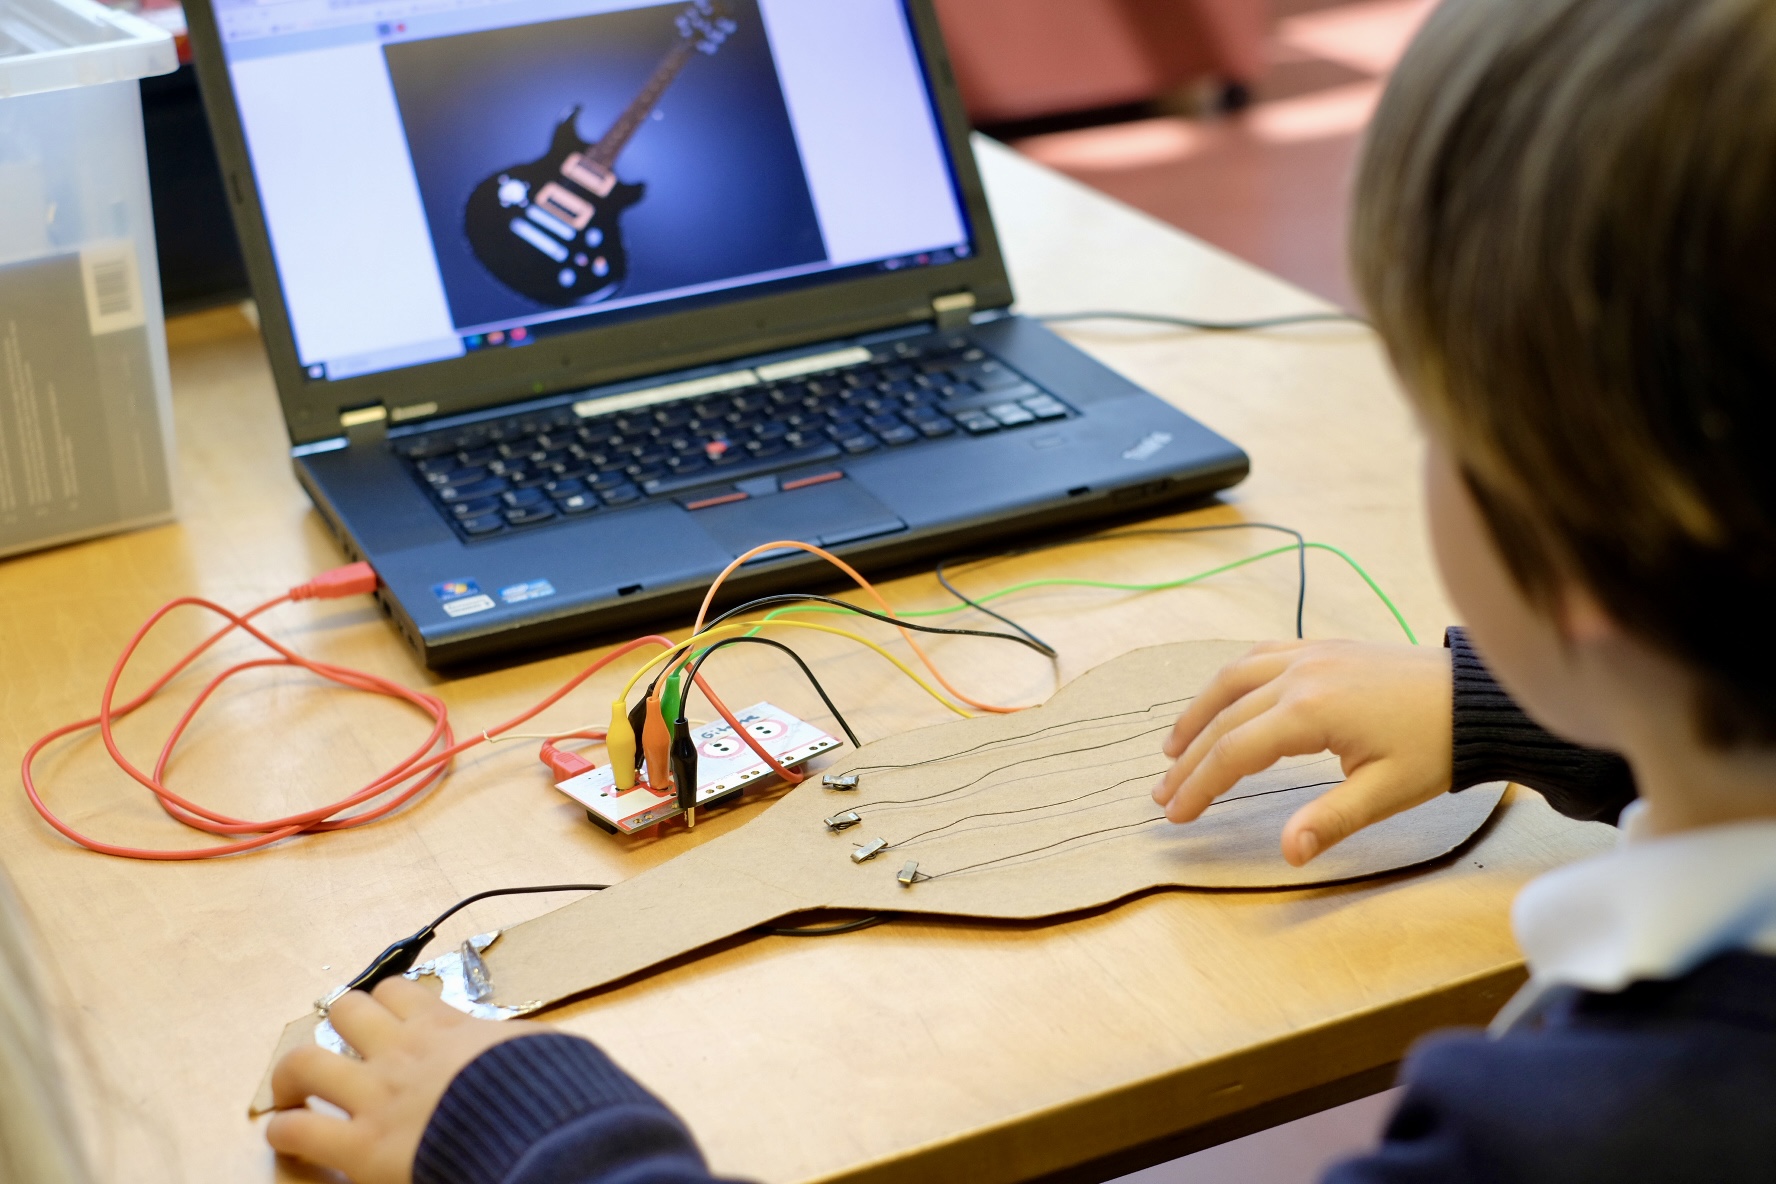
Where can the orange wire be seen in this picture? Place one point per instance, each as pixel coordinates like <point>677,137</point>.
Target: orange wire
<point>405,780</point>
<point>752,742</point>
<point>709,599</point>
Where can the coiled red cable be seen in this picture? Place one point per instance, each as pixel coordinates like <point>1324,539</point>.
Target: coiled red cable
<point>421,768</point>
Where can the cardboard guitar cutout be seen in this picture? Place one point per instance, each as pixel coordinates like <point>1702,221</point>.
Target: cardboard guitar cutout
<point>1039,814</point>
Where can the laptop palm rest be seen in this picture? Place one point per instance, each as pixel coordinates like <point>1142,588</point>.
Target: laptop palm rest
<point>830,511</point>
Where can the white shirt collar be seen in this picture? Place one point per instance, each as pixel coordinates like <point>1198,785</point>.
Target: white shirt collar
<point>1654,908</point>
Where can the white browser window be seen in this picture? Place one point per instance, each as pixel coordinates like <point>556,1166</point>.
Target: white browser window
<point>447,175</point>
<point>356,264</point>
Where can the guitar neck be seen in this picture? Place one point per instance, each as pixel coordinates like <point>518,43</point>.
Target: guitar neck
<point>604,153</point>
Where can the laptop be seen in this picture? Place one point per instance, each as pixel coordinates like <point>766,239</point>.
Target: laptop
<point>570,303</point>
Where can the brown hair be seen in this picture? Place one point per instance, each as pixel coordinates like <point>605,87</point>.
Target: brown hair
<point>1565,230</point>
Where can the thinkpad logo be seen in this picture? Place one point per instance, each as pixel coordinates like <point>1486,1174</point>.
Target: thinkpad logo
<point>1148,445</point>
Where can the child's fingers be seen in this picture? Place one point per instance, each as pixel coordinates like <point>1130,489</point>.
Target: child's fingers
<point>408,1000</point>
<point>1233,681</point>
<point>317,1138</point>
<point>1247,708</point>
<point>312,1071</point>
<point>1370,794</point>
<point>1250,748</point>
<point>366,1024</point>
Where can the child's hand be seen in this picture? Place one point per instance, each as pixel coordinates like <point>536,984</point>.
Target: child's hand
<point>413,1045</point>
<point>1385,710</point>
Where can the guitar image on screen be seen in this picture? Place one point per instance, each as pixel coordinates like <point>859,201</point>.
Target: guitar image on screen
<point>549,229</point>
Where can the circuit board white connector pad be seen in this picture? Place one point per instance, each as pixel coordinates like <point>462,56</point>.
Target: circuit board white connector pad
<point>724,763</point>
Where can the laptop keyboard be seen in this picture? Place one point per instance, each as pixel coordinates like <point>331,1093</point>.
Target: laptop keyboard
<point>525,471</point>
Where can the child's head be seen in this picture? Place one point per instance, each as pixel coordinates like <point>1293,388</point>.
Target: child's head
<point>1566,233</point>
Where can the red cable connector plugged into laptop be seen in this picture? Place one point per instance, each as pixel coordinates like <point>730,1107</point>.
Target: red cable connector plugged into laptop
<point>354,579</point>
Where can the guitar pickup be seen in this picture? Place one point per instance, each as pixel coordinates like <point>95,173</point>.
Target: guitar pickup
<point>539,240</point>
<point>550,223</point>
<point>572,209</point>
<point>588,176</point>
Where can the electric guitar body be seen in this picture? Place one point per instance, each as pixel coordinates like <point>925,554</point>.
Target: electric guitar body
<point>550,229</point>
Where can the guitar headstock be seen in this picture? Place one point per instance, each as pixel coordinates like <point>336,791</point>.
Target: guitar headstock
<point>706,24</point>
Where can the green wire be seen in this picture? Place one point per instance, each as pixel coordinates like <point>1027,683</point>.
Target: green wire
<point>672,695</point>
<point>1373,587</point>
<point>1115,587</point>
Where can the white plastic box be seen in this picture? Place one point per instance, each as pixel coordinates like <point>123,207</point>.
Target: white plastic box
<point>85,407</point>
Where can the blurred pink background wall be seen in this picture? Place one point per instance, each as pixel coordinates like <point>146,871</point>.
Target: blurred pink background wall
<point>1022,59</point>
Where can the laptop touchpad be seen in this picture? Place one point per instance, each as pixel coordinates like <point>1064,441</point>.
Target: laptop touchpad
<point>828,511</point>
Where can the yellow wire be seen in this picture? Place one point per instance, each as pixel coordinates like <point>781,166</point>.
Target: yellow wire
<point>723,630</point>
<point>734,628</point>
<point>862,640</point>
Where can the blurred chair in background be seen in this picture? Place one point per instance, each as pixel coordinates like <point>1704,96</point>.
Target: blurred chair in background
<point>1024,61</point>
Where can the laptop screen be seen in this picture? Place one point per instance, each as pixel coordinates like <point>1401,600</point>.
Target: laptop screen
<point>444,176</point>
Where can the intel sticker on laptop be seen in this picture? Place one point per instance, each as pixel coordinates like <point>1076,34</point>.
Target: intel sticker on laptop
<point>532,590</point>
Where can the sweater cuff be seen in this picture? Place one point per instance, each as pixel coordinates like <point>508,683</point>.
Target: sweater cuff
<point>1495,741</point>
<point>511,1097</point>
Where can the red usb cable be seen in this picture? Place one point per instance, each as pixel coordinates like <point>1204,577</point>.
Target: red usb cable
<point>423,767</point>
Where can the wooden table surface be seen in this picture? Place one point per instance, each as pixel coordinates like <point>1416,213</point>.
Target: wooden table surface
<point>919,1050</point>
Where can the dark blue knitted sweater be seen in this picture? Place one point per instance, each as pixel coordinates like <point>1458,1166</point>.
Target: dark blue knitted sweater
<point>1665,1081</point>
<point>553,1109</point>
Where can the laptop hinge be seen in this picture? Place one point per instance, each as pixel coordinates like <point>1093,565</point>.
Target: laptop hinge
<point>365,425</point>
<point>952,311</point>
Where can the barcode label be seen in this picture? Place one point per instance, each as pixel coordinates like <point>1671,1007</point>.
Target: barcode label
<point>113,292</point>
<point>111,287</point>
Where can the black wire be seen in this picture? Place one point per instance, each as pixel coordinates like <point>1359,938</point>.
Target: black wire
<point>697,665</point>
<point>401,953</point>
<point>979,607</point>
<point>1300,561</point>
<point>466,901</point>
<point>1039,646</point>
<point>780,931</point>
<point>827,930</point>
<point>1154,318</point>
<point>798,597</point>
<point>1027,638</point>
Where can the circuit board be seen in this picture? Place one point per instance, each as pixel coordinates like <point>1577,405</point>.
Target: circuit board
<point>726,765</point>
